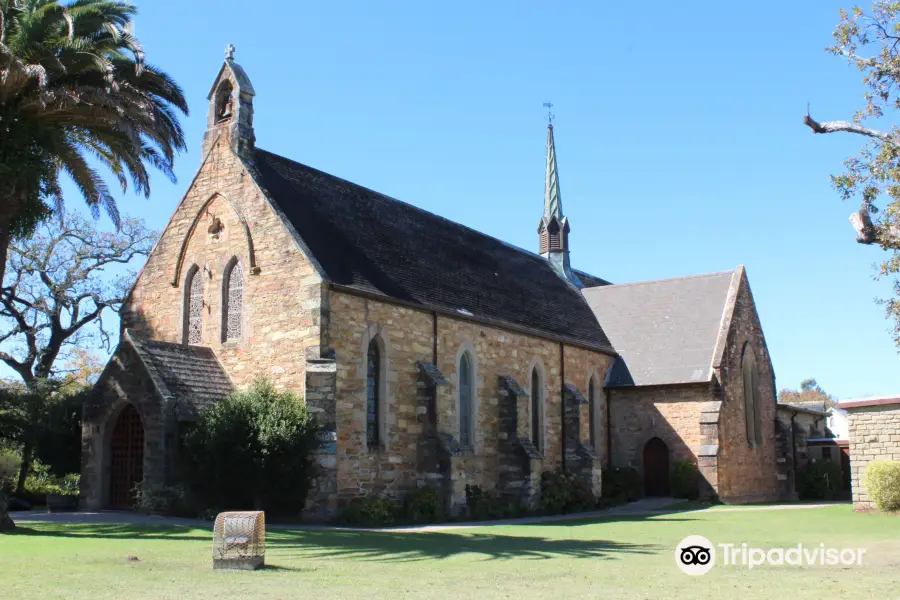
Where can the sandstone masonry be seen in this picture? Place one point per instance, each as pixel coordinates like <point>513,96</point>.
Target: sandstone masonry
<point>874,435</point>
<point>332,269</point>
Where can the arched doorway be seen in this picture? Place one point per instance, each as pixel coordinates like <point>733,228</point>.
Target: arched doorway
<point>126,451</point>
<point>656,468</point>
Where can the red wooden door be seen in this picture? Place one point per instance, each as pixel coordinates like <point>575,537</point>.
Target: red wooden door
<point>656,468</point>
<point>126,458</point>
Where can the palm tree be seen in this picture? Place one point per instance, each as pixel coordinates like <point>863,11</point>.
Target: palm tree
<point>74,86</point>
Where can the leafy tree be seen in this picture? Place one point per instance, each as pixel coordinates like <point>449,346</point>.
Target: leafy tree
<point>810,391</point>
<point>60,285</point>
<point>74,85</point>
<point>870,41</point>
<point>8,468</point>
<point>252,450</point>
<point>30,415</point>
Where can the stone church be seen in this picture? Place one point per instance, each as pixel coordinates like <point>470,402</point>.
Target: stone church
<point>430,353</point>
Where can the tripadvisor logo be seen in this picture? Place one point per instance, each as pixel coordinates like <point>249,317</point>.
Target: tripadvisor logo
<point>696,555</point>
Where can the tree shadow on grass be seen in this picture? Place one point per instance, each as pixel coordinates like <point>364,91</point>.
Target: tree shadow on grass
<point>110,531</point>
<point>435,545</point>
<point>619,518</point>
<point>287,545</point>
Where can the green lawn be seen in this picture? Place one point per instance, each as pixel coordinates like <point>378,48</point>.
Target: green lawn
<point>612,558</point>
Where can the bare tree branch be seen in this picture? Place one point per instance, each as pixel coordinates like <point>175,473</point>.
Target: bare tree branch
<point>847,127</point>
<point>59,285</point>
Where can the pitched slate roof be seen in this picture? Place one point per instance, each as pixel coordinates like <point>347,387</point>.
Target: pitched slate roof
<point>665,331</point>
<point>189,375</point>
<point>815,408</point>
<point>590,280</point>
<point>368,242</point>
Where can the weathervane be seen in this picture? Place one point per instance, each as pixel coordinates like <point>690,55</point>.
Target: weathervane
<point>229,52</point>
<point>550,115</point>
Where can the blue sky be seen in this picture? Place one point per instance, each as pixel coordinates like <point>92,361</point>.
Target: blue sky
<point>678,130</point>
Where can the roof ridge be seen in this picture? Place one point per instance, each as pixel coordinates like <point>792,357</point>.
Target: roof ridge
<point>663,280</point>
<point>414,207</point>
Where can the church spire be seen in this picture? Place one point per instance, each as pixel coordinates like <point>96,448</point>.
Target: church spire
<point>552,200</point>
<point>553,230</point>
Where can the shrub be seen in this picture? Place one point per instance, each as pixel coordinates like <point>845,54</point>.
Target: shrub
<point>424,505</point>
<point>484,505</point>
<point>478,502</point>
<point>58,439</point>
<point>817,479</point>
<point>41,481</point>
<point>370,511</point>
<point>9,470</point>
<point>563,492</point>
<point>208,514</point>
<point>622,484</point>
<point>882,481</point>
<point>685,480</point>
<point>150,498</point>
<point>251,451</point>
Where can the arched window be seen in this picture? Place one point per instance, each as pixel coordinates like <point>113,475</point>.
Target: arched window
<point>193,307</point>
<point>752,408</point>
<point>233,302</point>
<point>592,413</point>
<point>373,392</point>
<point>537,413</point>
<point>465,400</point>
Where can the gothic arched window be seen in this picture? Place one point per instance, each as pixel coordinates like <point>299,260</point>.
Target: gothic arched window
<point>592,413</point>
<point>193,307</point>
<point>373,393</point>
<point>752,408</point>
<point>465,400</point>
<point>233,302</point>
<point>537,413</point>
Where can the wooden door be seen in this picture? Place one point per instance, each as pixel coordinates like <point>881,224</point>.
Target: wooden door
<point>656,468</point>
<point>126,458</point>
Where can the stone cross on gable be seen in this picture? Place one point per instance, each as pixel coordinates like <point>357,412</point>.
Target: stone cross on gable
<point>229,52</point>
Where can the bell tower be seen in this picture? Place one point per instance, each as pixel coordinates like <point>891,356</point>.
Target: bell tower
<point>553,230</point>
<point>231,109</point>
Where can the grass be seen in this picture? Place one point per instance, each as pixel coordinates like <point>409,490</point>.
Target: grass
<point>610,558</point>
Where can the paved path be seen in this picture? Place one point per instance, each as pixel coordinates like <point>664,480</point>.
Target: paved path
<point>643,507</point>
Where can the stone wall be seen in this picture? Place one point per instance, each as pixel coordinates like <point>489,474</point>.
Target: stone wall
<point>124,381</point>
<point>671,413</point>
<point>582,366</point>
<point>406,337</point>
<point>224,215</point>
<point>874,435</point>
<point>746,474</point>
